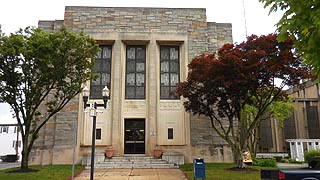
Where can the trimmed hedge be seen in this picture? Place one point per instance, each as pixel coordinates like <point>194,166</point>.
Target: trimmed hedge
<point>264,162</point>
<point>310,154</point>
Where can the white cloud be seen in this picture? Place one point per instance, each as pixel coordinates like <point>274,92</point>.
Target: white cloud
<point>5,114</point>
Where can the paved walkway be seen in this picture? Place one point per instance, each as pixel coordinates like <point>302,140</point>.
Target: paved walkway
<point>133,174</point>
<point>292,165</point>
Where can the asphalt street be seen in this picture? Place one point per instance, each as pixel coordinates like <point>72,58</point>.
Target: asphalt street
<point>8,165</point>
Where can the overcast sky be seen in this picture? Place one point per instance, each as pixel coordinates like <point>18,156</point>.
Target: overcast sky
<point>15,14</point>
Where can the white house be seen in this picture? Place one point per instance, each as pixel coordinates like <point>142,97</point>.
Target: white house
<point>10,140</point>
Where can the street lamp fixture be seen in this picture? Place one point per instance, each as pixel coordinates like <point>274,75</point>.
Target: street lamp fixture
<point>93,114</point>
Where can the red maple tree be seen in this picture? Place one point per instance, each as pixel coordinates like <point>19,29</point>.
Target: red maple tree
<point>219,86</point>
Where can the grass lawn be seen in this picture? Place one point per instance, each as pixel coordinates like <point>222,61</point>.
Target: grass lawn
<point>50,172</point>
<point>219,171</point>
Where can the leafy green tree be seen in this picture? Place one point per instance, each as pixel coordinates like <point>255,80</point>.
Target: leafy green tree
<point>301,19</point>
<point>278,110</point>
<point>220,87</point>
<point>40,73</point>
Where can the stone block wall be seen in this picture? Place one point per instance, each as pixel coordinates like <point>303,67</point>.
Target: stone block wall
<point>218,34</point>
<point>206,143</point>
<point>93,20</point>
<point>57,137</point>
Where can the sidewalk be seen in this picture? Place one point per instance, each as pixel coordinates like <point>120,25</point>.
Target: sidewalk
<point>133,174</point>
<point>292,166</point>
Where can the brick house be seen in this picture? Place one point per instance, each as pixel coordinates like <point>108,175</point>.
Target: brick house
<point>144,54</point>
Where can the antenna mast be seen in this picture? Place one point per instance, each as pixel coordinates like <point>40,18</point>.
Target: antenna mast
<point>245,19</point>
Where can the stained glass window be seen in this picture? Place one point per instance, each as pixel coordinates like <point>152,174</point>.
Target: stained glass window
<point>131,78</point>
<point>169,71</point>
<point>135,72</point>
<point>165,66</point>
<point>140,79</point>
<point>131,53</point>
<point>106,53</point>
<point>140,67</point>
<point>103,70</point>
<point>165,79</point>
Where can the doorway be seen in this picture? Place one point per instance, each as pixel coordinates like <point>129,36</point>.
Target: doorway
<point>134,136</point>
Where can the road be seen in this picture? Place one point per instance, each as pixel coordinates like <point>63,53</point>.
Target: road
<point>8,165</point>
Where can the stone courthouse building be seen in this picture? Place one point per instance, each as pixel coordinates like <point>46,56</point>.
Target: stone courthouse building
<point>144,54</point>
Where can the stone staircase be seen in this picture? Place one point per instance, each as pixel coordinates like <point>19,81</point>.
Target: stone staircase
<point>133,162</point>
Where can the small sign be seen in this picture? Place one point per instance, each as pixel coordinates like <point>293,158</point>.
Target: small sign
<point>152,133</point>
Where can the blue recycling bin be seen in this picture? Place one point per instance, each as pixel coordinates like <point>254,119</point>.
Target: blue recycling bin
<point>199,168</point>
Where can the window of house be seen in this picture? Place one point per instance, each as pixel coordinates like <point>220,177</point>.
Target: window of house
<point>5,129</point>
<point>169,71</point>
<point>98,134</point>
<point>135,72</point>
<point>103,69</point>
<point>170,133</point>
<point>15,143</point>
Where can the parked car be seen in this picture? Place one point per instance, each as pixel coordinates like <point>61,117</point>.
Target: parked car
<point>291,174</point>
<point>9,158</point>
<point>299,174</point>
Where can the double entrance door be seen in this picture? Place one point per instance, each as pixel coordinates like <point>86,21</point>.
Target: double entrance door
<point>134,136</point>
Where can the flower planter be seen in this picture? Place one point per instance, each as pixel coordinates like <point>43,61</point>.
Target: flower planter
<point>108,153</point>
<point>157,153</point>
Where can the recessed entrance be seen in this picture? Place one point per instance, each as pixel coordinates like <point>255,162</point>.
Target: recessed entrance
<point>134,136</point>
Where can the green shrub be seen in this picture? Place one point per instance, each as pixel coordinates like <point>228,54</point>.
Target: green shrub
<point>278,158</point>
<point>264,162</point>
<point>295,161</point>
<point>310,154</point>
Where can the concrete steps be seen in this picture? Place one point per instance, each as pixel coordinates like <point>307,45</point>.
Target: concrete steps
<point>133,162</point>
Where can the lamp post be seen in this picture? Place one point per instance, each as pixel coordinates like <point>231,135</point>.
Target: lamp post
<point>93,114</point>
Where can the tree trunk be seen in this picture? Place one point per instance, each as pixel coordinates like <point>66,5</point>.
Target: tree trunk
<point>237,156</point>
<point>25,158</point>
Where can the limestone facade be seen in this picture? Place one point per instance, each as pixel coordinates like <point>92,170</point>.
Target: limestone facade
<point>166,124</point>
